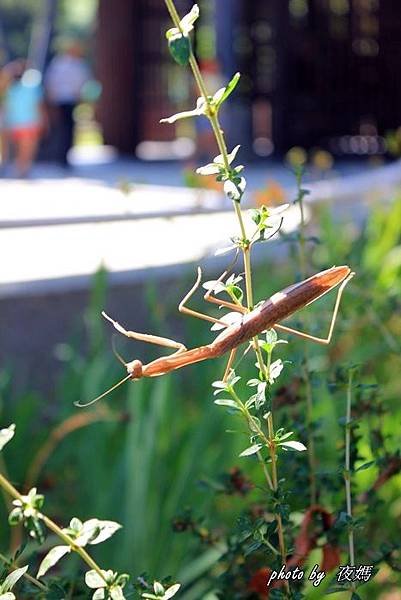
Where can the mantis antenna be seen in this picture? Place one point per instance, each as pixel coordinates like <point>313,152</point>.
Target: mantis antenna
<point>80,405</point>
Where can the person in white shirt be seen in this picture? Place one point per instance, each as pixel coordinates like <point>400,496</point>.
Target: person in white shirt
<point>65,77</point>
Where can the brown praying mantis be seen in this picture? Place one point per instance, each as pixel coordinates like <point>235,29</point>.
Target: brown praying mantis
<point>266,315</point>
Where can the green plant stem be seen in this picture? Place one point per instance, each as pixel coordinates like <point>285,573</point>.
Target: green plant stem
<point>273,457</point>
<point>253,426</point>
<point>306,373</point>
<point>3,469</point>
<point>12,491</point>
<point>273,480</point>
<point>12,565</point>
<point>218,133</point>
<point>246,250</point>
<point>347,472</point>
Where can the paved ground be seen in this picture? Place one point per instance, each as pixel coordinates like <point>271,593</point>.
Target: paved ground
<point>57,227</point>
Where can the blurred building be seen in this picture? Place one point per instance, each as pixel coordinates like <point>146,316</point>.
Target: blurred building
<point>314,72</point>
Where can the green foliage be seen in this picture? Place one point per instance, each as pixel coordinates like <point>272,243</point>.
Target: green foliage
<point>161,460</point>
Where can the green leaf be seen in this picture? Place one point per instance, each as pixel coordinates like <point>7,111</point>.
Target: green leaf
<point>271,337</point>
<point>284,436</point>
<point>6,435</point>
<point>251,450</point>
<point>366,465</point>
<point>180,48</point>
<point>298,446</point>
<point>15,516</point>
<point>12,579</point>
<point>223,93</point>
<point>52,558</point>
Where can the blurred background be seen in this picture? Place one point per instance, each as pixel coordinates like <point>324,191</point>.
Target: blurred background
<point>100,208</point>
<point>310,70</point>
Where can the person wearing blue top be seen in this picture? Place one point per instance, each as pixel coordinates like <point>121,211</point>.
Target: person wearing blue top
<point>22,114</point>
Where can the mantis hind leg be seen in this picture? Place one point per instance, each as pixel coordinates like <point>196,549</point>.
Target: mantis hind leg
<point>320,340</point>
<point>229,364</point>
<point>146,337</point>
<point>194,313</point>
<point>237,307</point>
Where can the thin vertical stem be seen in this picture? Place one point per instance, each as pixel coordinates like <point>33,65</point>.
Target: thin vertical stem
<point>306,374</point>
<point>273,457</point>
<point>347,471</point>
<point>212,115</point>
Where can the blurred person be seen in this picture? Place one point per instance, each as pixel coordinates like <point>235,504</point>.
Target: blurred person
<point>65,78</point>
<point>4,81</point>
<point>23,115</point>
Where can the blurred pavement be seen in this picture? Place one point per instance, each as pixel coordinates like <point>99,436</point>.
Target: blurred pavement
<point>58,228</point>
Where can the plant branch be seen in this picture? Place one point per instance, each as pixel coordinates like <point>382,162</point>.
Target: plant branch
<point>13,492</point>
<point>347,471</point>
<point>212,115</point>
<point>306,373</point>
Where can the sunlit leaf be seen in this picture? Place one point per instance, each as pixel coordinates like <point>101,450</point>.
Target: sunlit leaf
<point>251,450</point>
<point>6,435</point>
<point>158,588</point>
<point>226,402</point>
<point>95,531</point>
<point>52,558</point>
<point>94,581</point>
<point>12,579</point>
<point>209,169</point>
<point>116,593</point>
<point>294,445</point>
<point>187,22</point>
<point>229,319</point>
<point>275,369</point>
<point>171,591</point>
<point>233,190</point>
<point>199,110</point>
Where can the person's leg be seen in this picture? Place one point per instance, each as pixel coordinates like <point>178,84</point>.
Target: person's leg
<point>5,147</point>
<point>66,130</point>
<point>26,145</point>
